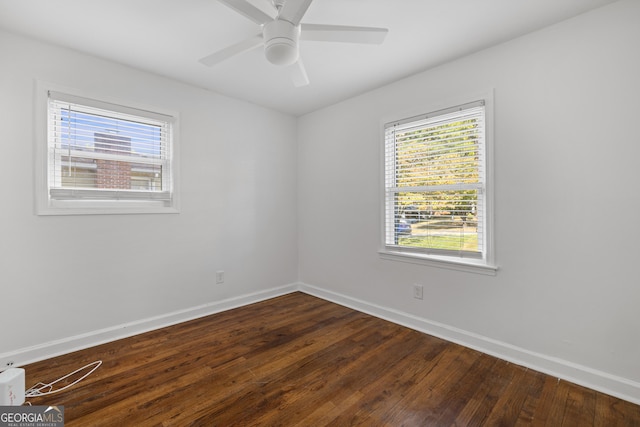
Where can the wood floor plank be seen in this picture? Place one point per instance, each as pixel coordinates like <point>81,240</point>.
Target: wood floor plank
<point>269,367</point>
<point>479,406</point>
<point>547,396</point>
<point>613,412</point>
<point>329,412</point>
<point>463,391</point>
<point>351,374</point>
<point>297,360</point>
<point>383,386</point>
<point>580,406</point>
<point>418,403</point>
<point>558,406</point>
<point>534,387</point>
<point>508,406</point>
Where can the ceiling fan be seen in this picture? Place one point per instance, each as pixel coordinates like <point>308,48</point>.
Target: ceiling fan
<point>281,30</point>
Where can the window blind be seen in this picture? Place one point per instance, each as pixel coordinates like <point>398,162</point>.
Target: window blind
<point>103,151</point>
<point>435,181</point>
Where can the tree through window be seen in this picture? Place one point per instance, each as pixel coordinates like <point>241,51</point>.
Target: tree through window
<point>435,183</point>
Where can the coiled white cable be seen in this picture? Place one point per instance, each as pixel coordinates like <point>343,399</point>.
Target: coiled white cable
<point>42,389</point>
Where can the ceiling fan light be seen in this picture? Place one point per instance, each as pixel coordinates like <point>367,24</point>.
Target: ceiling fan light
<point>281,51</point>
<point>281,42</point>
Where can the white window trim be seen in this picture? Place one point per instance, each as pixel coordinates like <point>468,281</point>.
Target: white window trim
<point>487,265</point>
<point>45,205</point>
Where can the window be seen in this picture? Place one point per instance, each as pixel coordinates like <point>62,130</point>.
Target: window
<point>105,157</point>
<point>436,193</point>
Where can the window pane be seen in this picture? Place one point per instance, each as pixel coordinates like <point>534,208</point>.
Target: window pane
<point>434,178</point>
<point>441,155</point>
<point>98,149</point>
<point>442,220</point>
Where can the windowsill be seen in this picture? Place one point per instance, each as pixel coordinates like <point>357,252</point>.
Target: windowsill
<point>104,207</point>
<point>466,265</point>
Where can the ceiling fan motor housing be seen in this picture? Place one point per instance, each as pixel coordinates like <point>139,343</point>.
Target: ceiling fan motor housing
<point>281,42</point>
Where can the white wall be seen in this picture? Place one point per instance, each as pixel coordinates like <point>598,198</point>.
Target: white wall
<point>64,276</point>
<point>567,153</point>
<point>567,232</point>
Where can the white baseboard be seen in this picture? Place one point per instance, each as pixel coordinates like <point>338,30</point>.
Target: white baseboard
<point>44,351</point>
<point>597,380</point>
<point>591,378</point>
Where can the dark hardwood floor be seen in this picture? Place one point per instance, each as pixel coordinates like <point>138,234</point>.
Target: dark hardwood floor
<point>297,360</point>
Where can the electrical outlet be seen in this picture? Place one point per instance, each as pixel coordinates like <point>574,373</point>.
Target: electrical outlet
<point>418,291</point>
<point>219,277</point>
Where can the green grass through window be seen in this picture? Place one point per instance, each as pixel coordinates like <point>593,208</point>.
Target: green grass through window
<point>456,242</point>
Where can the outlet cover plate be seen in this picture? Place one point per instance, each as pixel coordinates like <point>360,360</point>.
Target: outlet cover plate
<point>418,291</point>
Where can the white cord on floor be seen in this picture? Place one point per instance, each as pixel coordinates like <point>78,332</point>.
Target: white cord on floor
<point>37,390</point>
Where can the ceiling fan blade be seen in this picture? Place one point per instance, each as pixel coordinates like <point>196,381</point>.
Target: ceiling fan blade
<point>342,33</point>
<point>298,74</point>
<point>233,50</point>
<point>255,10</point>
<point>294,10</point>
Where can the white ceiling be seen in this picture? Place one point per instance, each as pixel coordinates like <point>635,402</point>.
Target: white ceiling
<point>167,37</point>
